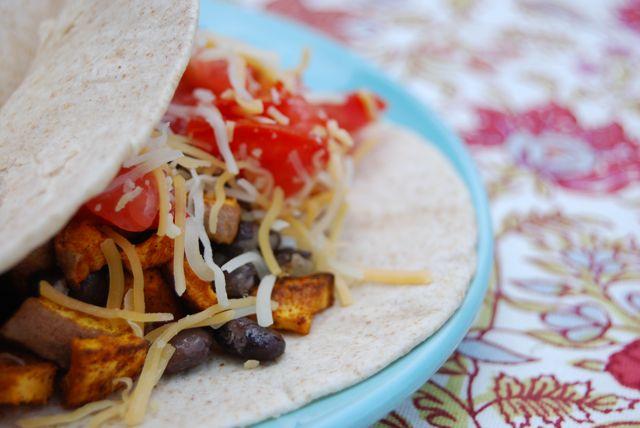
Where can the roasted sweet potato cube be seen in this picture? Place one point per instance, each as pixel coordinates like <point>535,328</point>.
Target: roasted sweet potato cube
<point>159,296</point>
<point>47,328</point>
<point>199,294</point>
<point>228,219</point>
<point>97,362</point>
<point>78,251</point>
<point>25,379</point>
<point>299,298</point>
<point>154,252</point>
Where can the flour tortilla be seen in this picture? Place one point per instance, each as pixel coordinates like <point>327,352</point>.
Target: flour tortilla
<point>408,209</point>
<point>103,77</point>
<point>19,38</point>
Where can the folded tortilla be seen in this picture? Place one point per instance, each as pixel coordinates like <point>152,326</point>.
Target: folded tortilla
<point>20,22</point>
<point>104,75</point>
<point>408,208</point>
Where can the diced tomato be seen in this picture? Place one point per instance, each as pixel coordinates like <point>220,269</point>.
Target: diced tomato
<point>352,115</point>
<point>278,147</point>
<point>275,143</point>
<point>137,215</point>
<point>210,75</point>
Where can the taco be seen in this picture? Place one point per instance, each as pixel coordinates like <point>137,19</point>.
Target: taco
<point>183,217</point>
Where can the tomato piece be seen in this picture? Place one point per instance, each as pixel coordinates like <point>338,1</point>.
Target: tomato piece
<point>272,145</point>
<point>282,151</point>
<point>138,214</point>
<point>352,114</point>
<point>210,75</point>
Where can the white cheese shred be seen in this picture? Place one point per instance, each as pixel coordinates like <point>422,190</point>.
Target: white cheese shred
<point>178,247</point>
<point>263,231</point>
<point>116,274</point>
<point>48,292</point>
<point>263,301</point>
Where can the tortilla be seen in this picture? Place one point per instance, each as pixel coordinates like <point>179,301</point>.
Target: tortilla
<point>102,79</point>
<point>409,209</point>
<point>19,38</point>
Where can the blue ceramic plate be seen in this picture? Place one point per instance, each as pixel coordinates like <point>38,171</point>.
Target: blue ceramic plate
<point>336,69</point>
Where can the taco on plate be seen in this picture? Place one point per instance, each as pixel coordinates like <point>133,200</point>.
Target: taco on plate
<point>182,217</point>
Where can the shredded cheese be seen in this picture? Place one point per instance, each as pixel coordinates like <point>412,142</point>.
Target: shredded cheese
<point>180,143</point>
<point>277,115</point>
<point>127,197</point>
<point>241,260</point>
<point>67,417</point>
<point>265,227</point>
<point>336,226</point>
<point>48,292</point>
<point>369,104</point>
<point>163,201</point>
<point>343,292</point>
<point>116,274</point>
<point>397,277</point>
<point>251,364</point>
<point>136,268</point>
<point>220,198</point>
<point>154,364</point>
<point>188,162</point>
<point>263,301</point>
<point>214,118</point>
<point>178,247</point>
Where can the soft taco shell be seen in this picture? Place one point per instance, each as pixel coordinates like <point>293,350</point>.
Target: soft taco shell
<point>103,76</point>
<point>408,209</point>
<point>19,38</point>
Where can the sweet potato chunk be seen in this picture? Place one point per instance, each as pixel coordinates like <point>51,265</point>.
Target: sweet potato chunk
<point>78,251</point>
<point>159,296</point>
<point>154,252</point>
<point>228,219</point>
<point>199,294</point>
<point>47,328</point>
<point>97,362</point>
<point>25,379</point>
<point>299,298</point>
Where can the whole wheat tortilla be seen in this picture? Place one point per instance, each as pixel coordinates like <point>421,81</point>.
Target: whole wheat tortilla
<point>103,76</point>
<point>19,38</point>
<point>408,209</point>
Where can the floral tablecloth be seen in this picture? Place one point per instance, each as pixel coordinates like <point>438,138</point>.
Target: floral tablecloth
<point>546,95</point>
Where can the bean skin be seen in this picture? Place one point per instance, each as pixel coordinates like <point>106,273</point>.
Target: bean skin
<point>241,281</point>
<point>244,338</point>
<point>192,349</point>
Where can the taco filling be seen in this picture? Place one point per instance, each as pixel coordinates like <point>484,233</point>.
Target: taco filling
<point>222,231</point>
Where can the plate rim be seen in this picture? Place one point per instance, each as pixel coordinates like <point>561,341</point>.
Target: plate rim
<point>402,377</point>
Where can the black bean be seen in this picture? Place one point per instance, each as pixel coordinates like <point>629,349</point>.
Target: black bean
<point>241,281</point>
<point>94,289</point>
<point>245,338</point>
<point>295,262</point>
<point>192,349</point>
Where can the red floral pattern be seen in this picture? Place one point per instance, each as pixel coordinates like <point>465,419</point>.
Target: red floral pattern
<point>550,141</point>
<point>630,14</point>
<point>624,365</point>
<point>545,94</point>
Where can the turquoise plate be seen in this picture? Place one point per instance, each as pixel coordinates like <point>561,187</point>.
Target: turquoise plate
<point>334,68</point>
